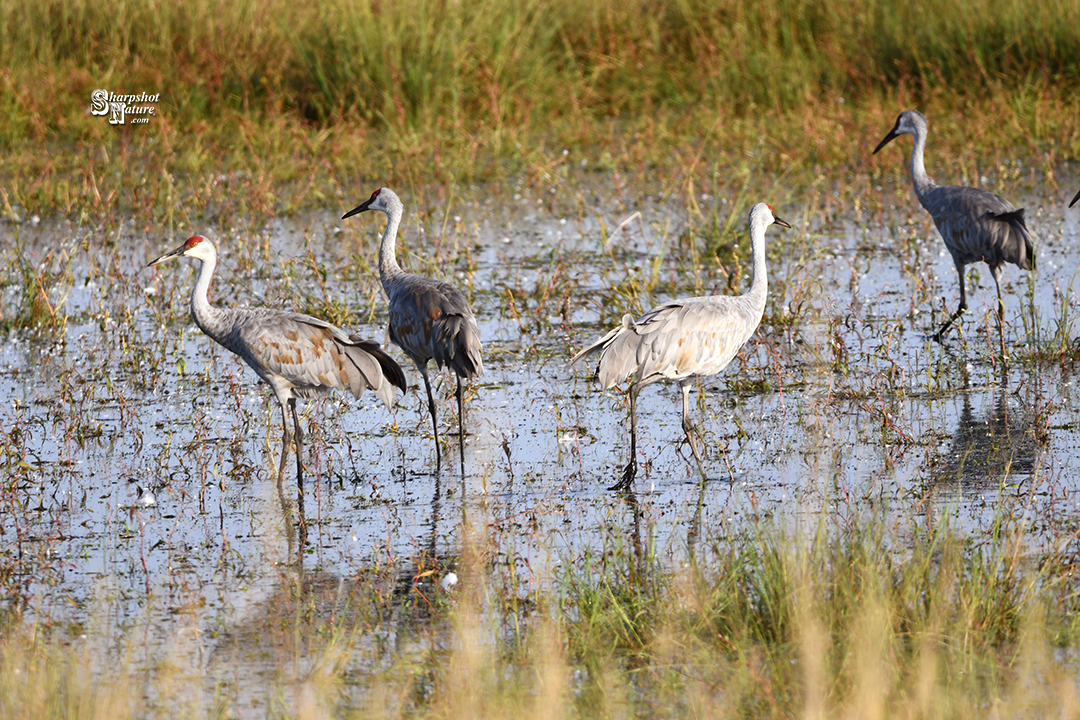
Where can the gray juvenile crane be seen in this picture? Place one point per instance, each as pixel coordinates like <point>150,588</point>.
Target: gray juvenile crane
<point>429,319</point>
<point>976,225</point>
<point>299,356</point>
<point>683,340</point>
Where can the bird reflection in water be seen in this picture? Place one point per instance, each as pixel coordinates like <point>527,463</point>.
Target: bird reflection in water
<point>999,443</point>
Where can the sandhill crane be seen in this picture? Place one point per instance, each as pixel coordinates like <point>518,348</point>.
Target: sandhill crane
<point>299,356</point>
<point>683,340</point>
<point>429,319</point>
<point>976,225</point>
<point>1075,199</point>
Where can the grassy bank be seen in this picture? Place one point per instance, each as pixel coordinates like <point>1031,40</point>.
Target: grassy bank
<point>272,107</point>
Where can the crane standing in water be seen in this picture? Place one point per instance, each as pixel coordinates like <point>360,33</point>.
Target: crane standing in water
<point>683,340</point>
<point>299,356</point>
<point>429,319</point>
<point>975,224</point>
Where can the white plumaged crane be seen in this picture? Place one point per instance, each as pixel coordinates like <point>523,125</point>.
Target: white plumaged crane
<point>429,319</point>
<point>299,356</point>
<point>683,340</point>
<point>975,224</point>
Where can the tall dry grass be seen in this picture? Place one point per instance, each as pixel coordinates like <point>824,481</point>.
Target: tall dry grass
<point>288,102</point>
<point>874,620</point>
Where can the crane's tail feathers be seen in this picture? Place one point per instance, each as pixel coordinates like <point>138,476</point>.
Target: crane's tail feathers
<point>596,347</point>
<point>375,369</point>
<point>618,360</point>
<point>456,343</point>
<point>1017,245</point>
<point>586,352</point>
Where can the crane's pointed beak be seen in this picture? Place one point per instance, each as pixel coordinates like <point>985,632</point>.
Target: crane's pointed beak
<point>781,222</point>
<point>885,141</point>
<point>1075,199</point>
<point>168,256</point>
<point>358,209</point>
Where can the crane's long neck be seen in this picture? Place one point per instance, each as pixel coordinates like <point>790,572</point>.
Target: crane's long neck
<point>759,286</point>
<point>207,317</point>
<point>388,265</point>
<point>923,183</point>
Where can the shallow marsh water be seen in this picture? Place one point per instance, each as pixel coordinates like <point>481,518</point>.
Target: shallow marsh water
<point>839,403</point>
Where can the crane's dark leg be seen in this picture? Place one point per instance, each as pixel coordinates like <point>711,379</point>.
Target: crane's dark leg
<point>298,438</point>
<point>461,425</point>
<point>688,427</point>
<point>631,467</point>
<point>286,437</point>
<point>995,270</point>
<point>960,310</point>
<point>434,420</point>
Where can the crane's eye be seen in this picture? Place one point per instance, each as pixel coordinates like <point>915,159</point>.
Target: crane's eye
<point>376,193</point>
<point>193,241</point>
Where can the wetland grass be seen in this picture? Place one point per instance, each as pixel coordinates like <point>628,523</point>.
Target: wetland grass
<point>272,108</point>
<point>859,616</point>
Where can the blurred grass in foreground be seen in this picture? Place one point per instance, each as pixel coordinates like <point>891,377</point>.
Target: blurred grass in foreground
<point>850,620</point>
<point>271,106</point>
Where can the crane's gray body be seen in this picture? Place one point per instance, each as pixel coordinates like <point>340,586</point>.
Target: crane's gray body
<point>299,356</point>
<point>428,319</point>
<point>683,340</point>
<point>680,340</point>
<point>976,225</point>
<point>431,320</point>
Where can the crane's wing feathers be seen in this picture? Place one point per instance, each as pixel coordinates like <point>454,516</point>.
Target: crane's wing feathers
<point>311,355</point>
<point>978,225</point>
<point>431,320</point>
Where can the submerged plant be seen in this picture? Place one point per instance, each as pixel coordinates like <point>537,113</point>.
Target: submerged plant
<point>43,289</point>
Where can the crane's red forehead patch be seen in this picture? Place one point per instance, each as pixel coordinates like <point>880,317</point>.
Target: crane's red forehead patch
<point>768,206</point>
<point>193,241</point>
<point>376,194</point>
